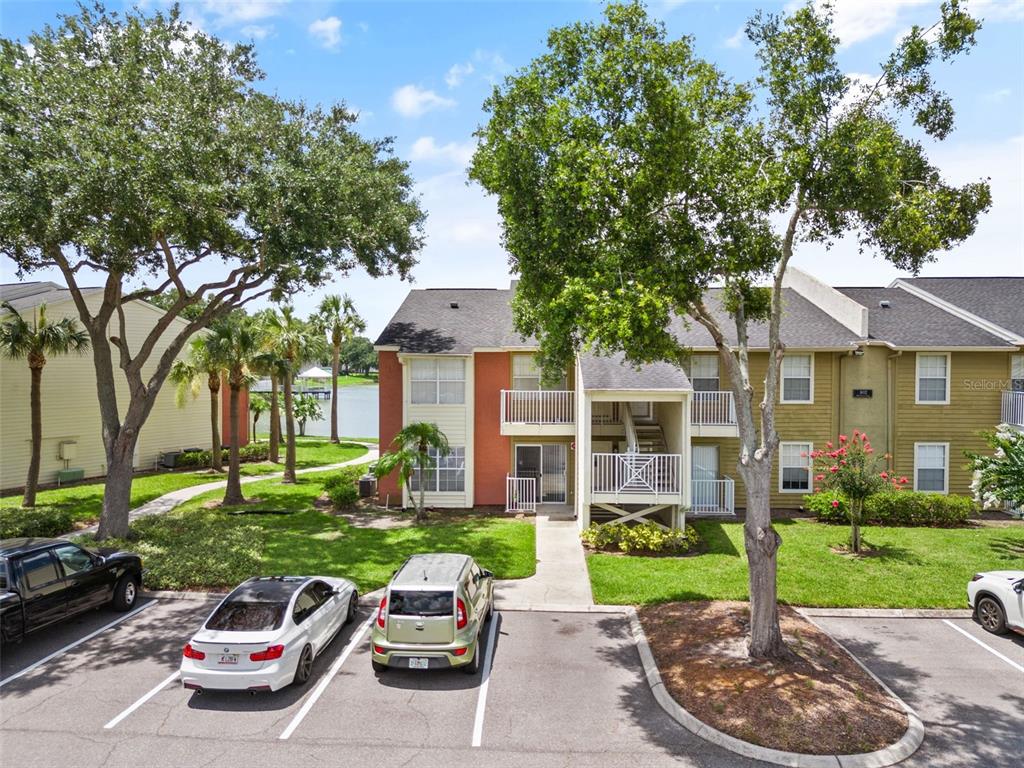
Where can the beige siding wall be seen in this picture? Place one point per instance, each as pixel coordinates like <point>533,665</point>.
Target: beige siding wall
<point>868,414</point>
<point>71,410</point>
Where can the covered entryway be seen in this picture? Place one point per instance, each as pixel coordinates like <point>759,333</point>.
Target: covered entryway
<point>712,494</point>
<point>547,463</point>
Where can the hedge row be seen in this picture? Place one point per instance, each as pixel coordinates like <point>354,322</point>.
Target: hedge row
<point>901,508</point>
<point>640,538</point>
<point>251,452</point>
<point>35,521</point>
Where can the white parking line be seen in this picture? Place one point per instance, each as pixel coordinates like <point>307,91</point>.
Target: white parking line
<point>75,644</point>
<point>322,686</point>
<point>481,702</point>
<point>153,692</point>
<point>991,650</point>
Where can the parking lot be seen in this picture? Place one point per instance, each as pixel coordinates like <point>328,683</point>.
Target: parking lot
<point>563,689</point>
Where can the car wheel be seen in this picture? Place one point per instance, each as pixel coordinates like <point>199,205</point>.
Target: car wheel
<point>991,616</point>
<point>379,667</point>
<point>353,606</point>
<point>305,666</point>
<point>473,667</point>
<point>126,593</point>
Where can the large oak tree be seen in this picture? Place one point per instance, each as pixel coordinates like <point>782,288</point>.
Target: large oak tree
<point>136,150</point>
<point>631,176</point>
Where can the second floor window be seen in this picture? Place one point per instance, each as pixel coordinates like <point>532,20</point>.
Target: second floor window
<point>526,375</point>
<point>797,379</point>
<point>1017,373</point>
<point>932,378</point>
<point>438,381</point>
<point>704,373</point>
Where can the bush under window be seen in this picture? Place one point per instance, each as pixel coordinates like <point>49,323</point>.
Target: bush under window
<point>898,508</point>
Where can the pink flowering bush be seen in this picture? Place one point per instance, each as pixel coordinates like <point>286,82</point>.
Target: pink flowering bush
<point>850,468</point>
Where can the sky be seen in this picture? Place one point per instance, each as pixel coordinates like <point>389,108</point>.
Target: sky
<point>420,71</point>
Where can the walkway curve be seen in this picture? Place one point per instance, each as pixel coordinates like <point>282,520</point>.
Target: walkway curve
<point>170,500</point>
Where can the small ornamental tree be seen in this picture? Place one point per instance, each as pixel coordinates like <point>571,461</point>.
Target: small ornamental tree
<point>258,405</point>
<point>999,478</point>
<point>307,408</point>
<point>851,468</point>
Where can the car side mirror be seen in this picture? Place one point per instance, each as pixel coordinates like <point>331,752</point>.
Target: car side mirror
<point>1019,587</point>
<point>487,574</point>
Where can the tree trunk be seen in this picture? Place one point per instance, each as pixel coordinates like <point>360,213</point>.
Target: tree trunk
<point>762,543</point>
<point>855,512</point>
<point>36,406</point>
<point>334,394</point>
<point>275,422</point>
<point>233,492</point>
<point>216,457</point>
<point>289,427</point>
<point>117,491</point>
<point>302,427</point>
<point>421,509</point>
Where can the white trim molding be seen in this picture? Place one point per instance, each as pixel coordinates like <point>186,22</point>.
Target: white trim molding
<point>810,466</point>
<point>917,377</point>
<point>945,468</point>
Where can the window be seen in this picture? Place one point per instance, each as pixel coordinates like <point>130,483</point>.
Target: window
<point>1017,373</point>
<point>73,559</point>
<point>322,592</point>
<point>305,605</point>
<point>39,569</point>
<point>795,467</point>
<point>526,375</point>
<point>438,380</point>
<point>704,373</point>
<point>246,616</point>
<point>931,467</point>
<point>933,378</point>
<point>447,475</point>
<point>422,603</point>
<point>798,379</point>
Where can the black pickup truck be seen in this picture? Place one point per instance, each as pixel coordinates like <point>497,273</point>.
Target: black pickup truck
<point>43,581</point>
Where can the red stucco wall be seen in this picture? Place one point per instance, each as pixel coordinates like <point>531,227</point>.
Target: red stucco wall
<point>390,414</point>
<point>492,373</point>
<point>225,414</point>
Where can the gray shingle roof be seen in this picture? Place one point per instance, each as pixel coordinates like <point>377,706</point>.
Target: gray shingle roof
<point>913,322</point>
<point>613,372</point>
<point>28,295</point>
<point>999,300</point>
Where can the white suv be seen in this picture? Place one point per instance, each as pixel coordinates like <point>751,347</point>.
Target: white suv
<point>997,598</point>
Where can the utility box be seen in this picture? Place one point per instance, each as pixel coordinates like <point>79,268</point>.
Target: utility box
<point>70,475</point>
<point>367,486</point>
<point>68,450</point>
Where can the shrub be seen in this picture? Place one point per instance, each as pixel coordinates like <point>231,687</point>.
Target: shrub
<point>343,495</point>
<point>251,452</point>
<point>343,476</point>
<point>901,508</point>
<point>639,538</point>
<point>35,521</point>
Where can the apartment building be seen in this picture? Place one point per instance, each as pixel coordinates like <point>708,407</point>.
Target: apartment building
<point>923,365</point>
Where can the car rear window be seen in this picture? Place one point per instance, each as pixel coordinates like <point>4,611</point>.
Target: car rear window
<point>421,603</point>
<point>245,616</point>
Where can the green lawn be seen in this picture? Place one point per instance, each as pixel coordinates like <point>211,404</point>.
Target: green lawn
<point>309,452</point>
<point>914,567</point>
<point>193,547</point>
<point>356,379</point>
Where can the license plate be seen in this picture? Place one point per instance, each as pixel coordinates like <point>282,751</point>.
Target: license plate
<point>229,658</point>
<point>419,663</point>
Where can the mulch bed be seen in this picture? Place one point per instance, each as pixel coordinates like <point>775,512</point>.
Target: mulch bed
<point>819,701</point>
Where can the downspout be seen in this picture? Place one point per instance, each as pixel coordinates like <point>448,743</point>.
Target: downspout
<point>890,406</point>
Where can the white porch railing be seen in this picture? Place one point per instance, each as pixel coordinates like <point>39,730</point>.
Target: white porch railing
<point>714,497</point>
<point>1013,408</point>
<point>542,406</point>
<point>520,494</point>
<point>713,409</point>
<point>604,413</point>
<point>637,473</point>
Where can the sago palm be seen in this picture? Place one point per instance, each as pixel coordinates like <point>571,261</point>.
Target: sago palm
<point>337,317</point>
<point>409,454</point>
<point>189,374</point>
<point>34,341</point>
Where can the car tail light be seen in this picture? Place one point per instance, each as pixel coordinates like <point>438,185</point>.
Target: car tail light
<point>191,653</point>
<point>380,611</point>
<point>977,577</point>
<point>460,651</point>
<point>460,614</point>
<point>379,650</point>
<point>271,653</point>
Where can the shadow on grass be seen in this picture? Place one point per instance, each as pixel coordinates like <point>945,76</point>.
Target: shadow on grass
<point>1008,548</point>
<point>714,539</point>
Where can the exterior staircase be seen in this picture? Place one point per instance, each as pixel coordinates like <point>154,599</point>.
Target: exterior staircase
<point>650,439</point>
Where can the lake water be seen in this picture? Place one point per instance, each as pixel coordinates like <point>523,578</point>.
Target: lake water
<point>357,413</point>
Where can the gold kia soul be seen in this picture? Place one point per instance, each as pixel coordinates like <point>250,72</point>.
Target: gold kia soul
<point>433,614</point>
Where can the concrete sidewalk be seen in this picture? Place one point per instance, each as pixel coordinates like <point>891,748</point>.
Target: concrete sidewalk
<point>169,501</point>
<point>562,578</point>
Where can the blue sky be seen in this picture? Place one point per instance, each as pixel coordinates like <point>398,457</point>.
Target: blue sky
<point>419,71</point>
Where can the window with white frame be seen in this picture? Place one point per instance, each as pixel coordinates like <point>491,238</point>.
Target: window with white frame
<point>1017,373</point>
<point>932,378</point>
<point>527,375</point>
<point>438,380</point>
<point>795,467</point>
<point>931,467</point>
<point>798,378</point>
<point>704,373</point>
<point>447,474</point>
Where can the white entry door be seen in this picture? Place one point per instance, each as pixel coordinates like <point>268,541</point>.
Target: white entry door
<point>705,469</point>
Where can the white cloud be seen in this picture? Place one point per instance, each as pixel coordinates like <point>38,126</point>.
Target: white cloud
<point>457,73</point>
<point>857,20</point>
<point>413,101</point>
<point>229,12</point>
<point>457,153</point>
<point>996,10</point>
<point>363,26</point>
<point>996,95</point>
<point>736,40</point>
<point>327,32</point>
<point>492,64</point>
<point>256,31</point>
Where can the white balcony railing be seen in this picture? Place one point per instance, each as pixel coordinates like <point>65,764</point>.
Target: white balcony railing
<point>713,409</point>
<point>537,406</point>
<point>637,473</point>
<point>520,494</point>
<point>1013,408</point>
<point>714,497</point>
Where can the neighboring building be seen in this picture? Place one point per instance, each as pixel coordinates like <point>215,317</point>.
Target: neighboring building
<point>923,366</point>
<point>71,418</point>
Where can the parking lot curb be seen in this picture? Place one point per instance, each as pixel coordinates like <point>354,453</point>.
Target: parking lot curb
<point>162,594</point>
<point>886,613</point>
<point>890,755</point>
<point>509,605</point>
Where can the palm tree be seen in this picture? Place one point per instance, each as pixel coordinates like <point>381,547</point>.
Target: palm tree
<point>270,363</point>
<point>337,317</point>
<point>189,375</point>
<point>233,344</point>
<point>295,341</point>
<point>33,341</point>
<point>410,453</point>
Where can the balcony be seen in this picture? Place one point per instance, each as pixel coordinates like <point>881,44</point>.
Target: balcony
<point>538,412</point>
<point>637,478</point>
<point>1013,408</point>
<point>713,414</point>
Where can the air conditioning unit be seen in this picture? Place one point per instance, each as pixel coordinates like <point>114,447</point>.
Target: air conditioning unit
<point>68,450</point>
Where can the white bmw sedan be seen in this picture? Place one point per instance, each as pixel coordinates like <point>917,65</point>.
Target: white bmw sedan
<point>266,633</point>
